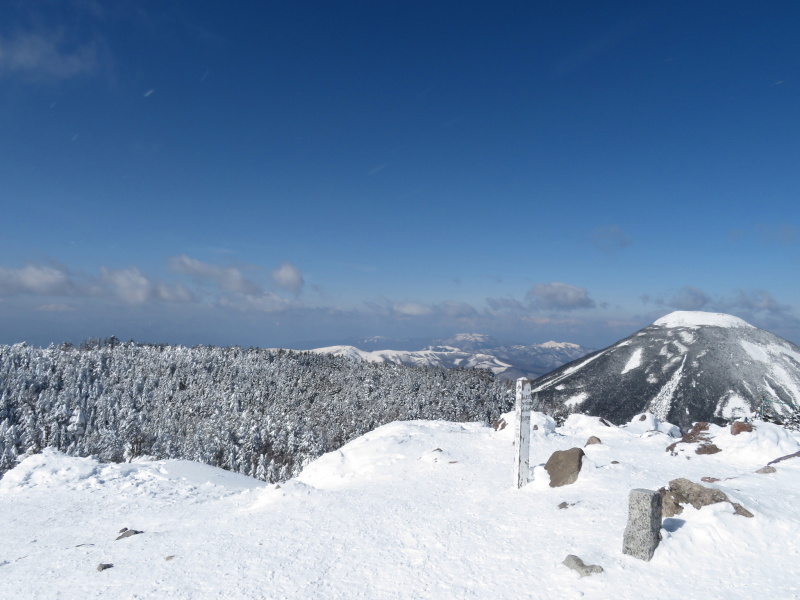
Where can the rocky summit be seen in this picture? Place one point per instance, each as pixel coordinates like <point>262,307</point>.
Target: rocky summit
<point>685,367</point>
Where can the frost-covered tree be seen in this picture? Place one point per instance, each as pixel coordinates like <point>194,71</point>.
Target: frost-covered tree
<point>263,413</point>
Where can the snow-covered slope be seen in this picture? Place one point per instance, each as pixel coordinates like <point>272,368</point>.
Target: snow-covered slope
<point>685,367</point>
<point>435,356</point>
<point>470,350</point>
<point>411,510</point>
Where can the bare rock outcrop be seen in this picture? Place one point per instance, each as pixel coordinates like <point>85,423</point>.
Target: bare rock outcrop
<point>696,435</point>
<point>683,491</point>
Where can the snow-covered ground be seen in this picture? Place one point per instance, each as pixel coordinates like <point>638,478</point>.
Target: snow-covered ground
<point>410,510</point>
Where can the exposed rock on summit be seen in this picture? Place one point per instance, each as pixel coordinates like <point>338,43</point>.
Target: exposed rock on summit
<point>683,491</point>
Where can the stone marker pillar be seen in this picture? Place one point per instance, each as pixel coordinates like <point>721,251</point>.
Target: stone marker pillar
<point>523,435</point>
<point>642,533</point>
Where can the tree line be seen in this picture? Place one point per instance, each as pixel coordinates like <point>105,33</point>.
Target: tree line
<point>262,413</point>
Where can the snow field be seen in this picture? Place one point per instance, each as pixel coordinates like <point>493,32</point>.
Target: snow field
<point>420,509</point>
<point>689,318</point>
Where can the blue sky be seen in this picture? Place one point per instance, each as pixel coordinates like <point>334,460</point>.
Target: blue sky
<point>284,173</point>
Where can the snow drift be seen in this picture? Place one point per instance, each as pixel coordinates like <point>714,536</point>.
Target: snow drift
<point>422,509</point>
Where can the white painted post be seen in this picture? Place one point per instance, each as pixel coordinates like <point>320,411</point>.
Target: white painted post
<point>523,436</point>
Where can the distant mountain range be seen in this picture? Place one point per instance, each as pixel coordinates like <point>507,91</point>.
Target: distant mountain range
<point>467,350</point>
<point>685,367</point>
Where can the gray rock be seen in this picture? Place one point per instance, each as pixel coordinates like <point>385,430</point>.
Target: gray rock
<point>642,534</point>
<point>593,440</point>
<point>125,532</point>
<point>563,466</point>
<point>576,564</point>
<point>767,470</point>
<point>104,566</point>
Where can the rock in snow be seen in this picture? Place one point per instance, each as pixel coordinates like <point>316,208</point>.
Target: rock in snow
<point>685,367</point>
<point>682,491</point>
<point>576,564</point>
<point>563,466</point>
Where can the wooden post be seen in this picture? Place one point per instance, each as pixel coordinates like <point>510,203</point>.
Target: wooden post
<point>523,436</point>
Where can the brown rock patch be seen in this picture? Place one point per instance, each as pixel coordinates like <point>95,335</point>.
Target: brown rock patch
<point>740,427</point>
<point>696,435</point>
<point>683,491</point>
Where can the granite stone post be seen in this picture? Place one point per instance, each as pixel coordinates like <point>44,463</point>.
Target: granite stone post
<point>523,434</point>
<point>642,533</point>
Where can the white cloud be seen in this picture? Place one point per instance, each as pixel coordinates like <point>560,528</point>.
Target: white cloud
<point>37,279</point>
<point>266,302</point>
<point>610,239</point>
<point>45,56</point>
<point>288,277</point>
<point>411,309</point>
<point>690,298</point>
<point>134,287</point>
<point>228,278</point>
<point>55,308</point>
<point>559,296</point>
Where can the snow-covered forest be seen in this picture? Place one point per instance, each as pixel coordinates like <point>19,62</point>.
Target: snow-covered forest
<point>263,413</point>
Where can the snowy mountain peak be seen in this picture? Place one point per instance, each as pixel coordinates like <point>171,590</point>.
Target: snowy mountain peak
<point>470,337</point>
<point>696,318</point>
<point>470,350</point>
<point>560,345</point>
<point>686,367</point>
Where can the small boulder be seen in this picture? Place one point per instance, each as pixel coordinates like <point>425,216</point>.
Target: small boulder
<point>767,470</point>
<point>740,427</point>
<point>104,566</point>
<point>576,564</point>
<point>563,466</point>
<point>125,532</point>
<point>593,440</point>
